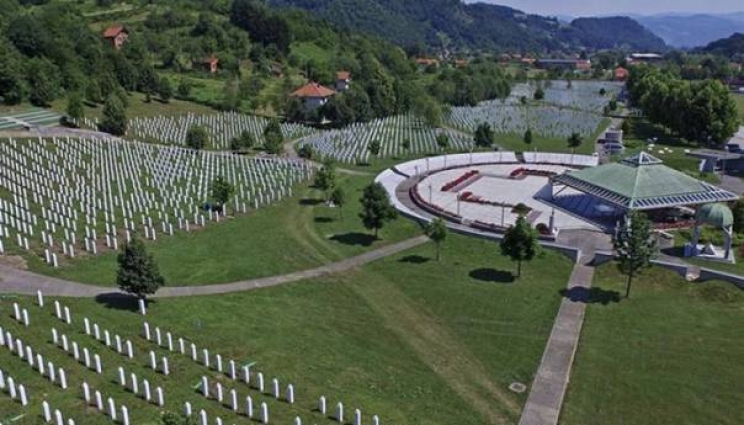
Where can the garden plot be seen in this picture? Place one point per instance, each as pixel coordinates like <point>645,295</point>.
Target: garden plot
<point>546,121</point>
<point>351,144</point>
<point>222,127</point>
<point>69,196</point>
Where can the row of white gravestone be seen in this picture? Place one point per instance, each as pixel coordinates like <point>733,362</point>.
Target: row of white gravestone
<point>92,362</point>
<point>55,417</point>
<point>65,207</point>
<point>161,366</point>
<point>14,390</point>
<point>21,315</point>
<point>108,408</point>
<point>47,369</point>
<point>123,347</point>
<point>248,411</point>
<point>133,384</point>
<point>338,415</point>
<point>62,313</point>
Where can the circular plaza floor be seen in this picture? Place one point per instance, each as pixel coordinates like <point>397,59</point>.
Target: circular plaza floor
<point>483,189</point>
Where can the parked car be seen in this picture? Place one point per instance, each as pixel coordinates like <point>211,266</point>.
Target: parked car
<point>613,148</point>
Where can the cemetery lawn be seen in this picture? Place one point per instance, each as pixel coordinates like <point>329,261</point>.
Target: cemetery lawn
<point>138,107</point>
<point>411,339</point>
<point>669,355</point>
<point>739,98</point>
<point>297,233</point>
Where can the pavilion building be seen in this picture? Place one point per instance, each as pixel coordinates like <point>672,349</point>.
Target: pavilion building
<point>638,183</point>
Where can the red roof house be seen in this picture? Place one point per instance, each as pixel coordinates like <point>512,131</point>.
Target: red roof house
<point>313,95</point>
<point>621,74</point>
<point>210,64</point>
<point>116,35</point>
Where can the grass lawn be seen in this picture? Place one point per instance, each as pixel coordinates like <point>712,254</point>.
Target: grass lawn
<point>739,98</point>
<point>677,159</point>
<point>413,340</point>
<point>298,233</point>
<point>669,355</point>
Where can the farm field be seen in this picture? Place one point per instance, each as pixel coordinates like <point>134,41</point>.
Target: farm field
<point>672,351</point>
<point>382,349</point>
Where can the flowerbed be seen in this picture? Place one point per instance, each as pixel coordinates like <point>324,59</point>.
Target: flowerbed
<point>524,172</point>
<point>460,180</point>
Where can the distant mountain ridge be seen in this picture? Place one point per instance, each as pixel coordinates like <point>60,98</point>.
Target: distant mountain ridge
<point>477,25</point>
<point>693,30</point>
<point>731,47</point>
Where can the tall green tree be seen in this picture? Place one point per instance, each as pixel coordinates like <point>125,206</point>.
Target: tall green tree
<point>325,178</point>
<point>273,137</point>
<point>575,140</point>
<point>338,198</point>
<point>43,81</point>
<point>197,137</point>
<point>222,190</point>
<point>75,108</point>
<point>527,137</point>
<point>483,136</point>
<point>376,208</point>
<point>443,141</point>
<point>374,147</point>
<point>138,273</point>
<point>165,90</point>
<point>634,246</point>
<point>520,243</point>
<point>436,230</point>
<point>114,117</point>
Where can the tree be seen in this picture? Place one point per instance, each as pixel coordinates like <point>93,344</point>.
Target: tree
<point>406,145</point>
<point>483,135</point>
<point>602,91</point>
<point>165,90</point>
<point>325,178</point>
<point>539,94</point>
<point>528,136</point>
<point>376,207</point>
<point>138,272</point>
<point>627,127</point>
<point>273,137</point>
<point>43,81</point>
<point>114,117</point>
<point>75,109</point>
<point>242,142</point>
<point>374,147</point>
<point>222,190</point>
<point>306,152</point>
<point>443,141</point>
<point>575,140</point>
<point>338,198</point>
<point>436,230</point>
<point>197,137</point>
<point>634,246</point>
<point>520,243</point>
<point>183,89</point>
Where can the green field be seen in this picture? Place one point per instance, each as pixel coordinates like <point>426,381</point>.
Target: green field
<point>669,355</point>
<point>739,98</point>
<point>411,339</point>
<point>295,234</point>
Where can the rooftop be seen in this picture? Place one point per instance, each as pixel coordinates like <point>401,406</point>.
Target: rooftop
<point>114,31</point>
<point>313,90</point>
<point>643,182</point>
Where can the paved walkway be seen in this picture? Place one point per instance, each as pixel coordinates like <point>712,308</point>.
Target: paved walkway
<point>544,403</point>
<point>23,282</point>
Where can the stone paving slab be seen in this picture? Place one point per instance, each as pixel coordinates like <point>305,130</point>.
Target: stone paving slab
<point>544,402</point>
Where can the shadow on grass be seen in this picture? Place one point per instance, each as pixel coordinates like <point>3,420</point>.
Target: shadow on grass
<point>414,259</point>
<point>323,219</point>
<point>310,202</point>
<point>492,275</point>
<point>119,301</point>
<point>354,238</point>
<point>591,296</point>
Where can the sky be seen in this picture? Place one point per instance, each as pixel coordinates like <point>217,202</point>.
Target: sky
<point>608,7</point>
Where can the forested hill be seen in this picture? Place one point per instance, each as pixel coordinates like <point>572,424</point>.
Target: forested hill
<point>731,47</point>
<point>478,25</point>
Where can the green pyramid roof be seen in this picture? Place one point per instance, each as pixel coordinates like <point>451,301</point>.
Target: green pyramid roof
<point>641,182</point>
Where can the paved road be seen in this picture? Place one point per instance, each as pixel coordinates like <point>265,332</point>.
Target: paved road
<point>23,282</point>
